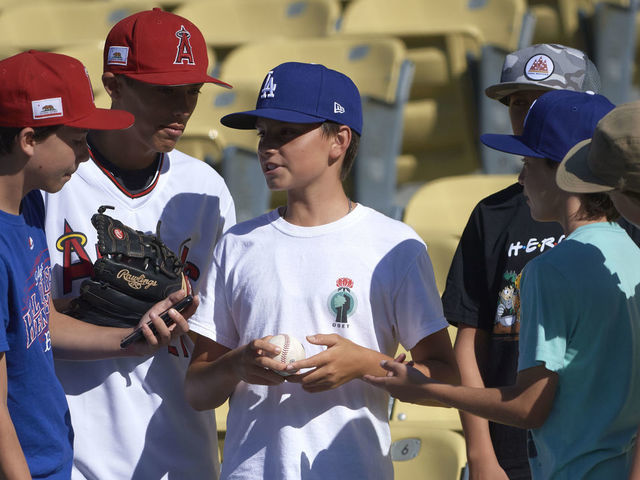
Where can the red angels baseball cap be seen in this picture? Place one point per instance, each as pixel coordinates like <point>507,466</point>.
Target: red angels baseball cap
<point>160,48</point>
<point>39,89</point>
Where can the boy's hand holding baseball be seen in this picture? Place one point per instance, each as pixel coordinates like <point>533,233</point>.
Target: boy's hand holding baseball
<point>253,362</point>
<point>341,362</point>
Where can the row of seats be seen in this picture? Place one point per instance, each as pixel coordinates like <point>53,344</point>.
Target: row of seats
<point>422,123</point>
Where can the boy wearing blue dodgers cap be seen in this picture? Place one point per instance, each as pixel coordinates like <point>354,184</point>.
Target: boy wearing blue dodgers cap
<point>304,270</point>
<point>579,308</point>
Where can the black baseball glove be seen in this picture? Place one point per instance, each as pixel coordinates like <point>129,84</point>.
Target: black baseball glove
<point>135,270</point>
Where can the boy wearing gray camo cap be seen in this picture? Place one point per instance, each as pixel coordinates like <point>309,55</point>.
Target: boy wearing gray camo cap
<point>482,292</point>
<point>545,67</point>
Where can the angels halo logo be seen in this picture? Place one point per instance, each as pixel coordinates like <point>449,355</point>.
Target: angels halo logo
<point>342,303</point>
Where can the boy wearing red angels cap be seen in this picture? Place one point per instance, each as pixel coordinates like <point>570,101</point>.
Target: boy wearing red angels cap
<point>130,417</point>
<point>579,356</point>
<point>303,270</point>
<point>47,107</point>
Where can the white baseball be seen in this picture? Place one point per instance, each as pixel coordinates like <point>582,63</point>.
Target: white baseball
<point>291,350</point>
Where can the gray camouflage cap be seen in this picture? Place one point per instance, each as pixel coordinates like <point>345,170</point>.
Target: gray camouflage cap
<point>545,67</point>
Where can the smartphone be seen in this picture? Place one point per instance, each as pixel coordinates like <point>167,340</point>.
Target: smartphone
<point>137,333</point>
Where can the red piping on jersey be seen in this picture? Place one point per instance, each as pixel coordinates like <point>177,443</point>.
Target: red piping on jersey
<point>122,188</point>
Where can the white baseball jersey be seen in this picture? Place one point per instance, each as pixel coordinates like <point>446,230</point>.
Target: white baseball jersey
<point>365,277</point>
<point>130,416</point>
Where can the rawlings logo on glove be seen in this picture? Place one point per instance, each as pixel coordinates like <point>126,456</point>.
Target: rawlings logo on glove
<point>135,271</point>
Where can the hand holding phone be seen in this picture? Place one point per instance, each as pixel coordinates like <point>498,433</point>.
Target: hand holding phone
<point>137,333</point>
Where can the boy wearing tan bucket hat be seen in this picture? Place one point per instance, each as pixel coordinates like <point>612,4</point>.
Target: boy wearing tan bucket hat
<point>608,162</point>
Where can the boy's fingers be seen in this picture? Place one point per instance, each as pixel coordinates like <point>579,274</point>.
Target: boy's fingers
<point>373,380</point>
<point>323,339</point>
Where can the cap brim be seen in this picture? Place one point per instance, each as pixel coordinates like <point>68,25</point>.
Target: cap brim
<point>104,119</point>
<point>247,120</point>
<point>574,174</point>
<point>500,91</point>
<point>175,78</point>
<point>509,144</point>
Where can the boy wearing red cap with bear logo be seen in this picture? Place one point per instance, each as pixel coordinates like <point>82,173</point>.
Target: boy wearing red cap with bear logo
<point>47,107</point>
<point>155,64</point>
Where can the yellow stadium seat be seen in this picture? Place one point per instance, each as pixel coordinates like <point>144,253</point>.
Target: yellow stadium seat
<point>441,121</point>
<point>439,211</point>
<point>419,452</point>
<point>221,423</point>
<point>90,54</point>
<point>558,21</point>
<point>47,25</point>
<point>228,23</point>
<point>433,417</point>
<point>230,150</point>
<point>495,22</point>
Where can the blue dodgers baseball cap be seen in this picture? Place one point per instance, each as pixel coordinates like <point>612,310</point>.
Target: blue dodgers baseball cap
<point>556,121</point>
<point>303,93</point>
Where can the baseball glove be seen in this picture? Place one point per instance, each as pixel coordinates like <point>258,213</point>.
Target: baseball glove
<point>135,270</point>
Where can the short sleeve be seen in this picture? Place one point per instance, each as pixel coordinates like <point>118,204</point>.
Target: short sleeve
<point>4,307</point>
<point>548,309</point>
<point>213,317</point>
<point>417,303</point>
<point>33,209</point>
<point>466,292</point>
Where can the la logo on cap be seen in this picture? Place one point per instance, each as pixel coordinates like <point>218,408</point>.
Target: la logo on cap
<point>269,88</point>
<point>185,52</point>
<point>539,67</point>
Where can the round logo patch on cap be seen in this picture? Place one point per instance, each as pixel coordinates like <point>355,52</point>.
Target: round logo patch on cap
<point>539,67</point>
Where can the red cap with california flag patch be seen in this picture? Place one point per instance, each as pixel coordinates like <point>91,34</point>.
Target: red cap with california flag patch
<point>39,89</point>
<point>160,48</point>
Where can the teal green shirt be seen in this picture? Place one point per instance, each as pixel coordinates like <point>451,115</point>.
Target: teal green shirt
<point>580,317</point>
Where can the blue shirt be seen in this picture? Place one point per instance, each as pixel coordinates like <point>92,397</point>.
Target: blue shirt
<point>580,317</point>
<point>35,399</point>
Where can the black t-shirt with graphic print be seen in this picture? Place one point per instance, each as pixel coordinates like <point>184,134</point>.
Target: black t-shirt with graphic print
<point>482,292</point>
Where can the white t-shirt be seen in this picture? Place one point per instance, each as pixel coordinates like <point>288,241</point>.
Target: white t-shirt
<point>130,416</point>
<point>365,277</point>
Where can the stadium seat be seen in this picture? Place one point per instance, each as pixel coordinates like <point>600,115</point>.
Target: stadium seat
<point>615,46</point>
<point>419,451</point>
<point>558,21</point>
<point>439,211</point>
<point>90,54</point>
<point>221,423</point>
<point>226,24</point>
<point>47,25</point>
<point>231,151</point>
<point>378,66</point>
<point>432,417</point>
<point>441,37</point>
